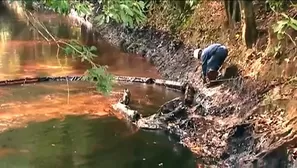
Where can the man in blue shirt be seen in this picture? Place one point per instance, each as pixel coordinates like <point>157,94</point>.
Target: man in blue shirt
<point>212,58</point>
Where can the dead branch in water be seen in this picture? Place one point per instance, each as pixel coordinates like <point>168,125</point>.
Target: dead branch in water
<point>132,115</point>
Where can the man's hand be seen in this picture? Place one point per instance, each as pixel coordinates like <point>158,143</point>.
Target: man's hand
<point>203,78</point>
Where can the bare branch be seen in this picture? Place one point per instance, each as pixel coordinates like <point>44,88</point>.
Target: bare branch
<point>39,32</point>
<point>291,38</point>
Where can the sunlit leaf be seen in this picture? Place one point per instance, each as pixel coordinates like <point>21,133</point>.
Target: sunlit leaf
<point>93,48</point>
<point>100,19</point>
<point>68,50</point>
<point>101,78</point>
<point>141,4</point>
<point>127,9</point>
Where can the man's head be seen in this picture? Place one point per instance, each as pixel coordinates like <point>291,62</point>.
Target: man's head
<point>197,53</point>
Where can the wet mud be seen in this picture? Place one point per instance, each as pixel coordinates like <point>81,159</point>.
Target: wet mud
<point>218,128</point>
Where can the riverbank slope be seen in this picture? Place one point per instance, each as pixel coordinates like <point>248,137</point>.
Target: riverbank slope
<point>239,123</point>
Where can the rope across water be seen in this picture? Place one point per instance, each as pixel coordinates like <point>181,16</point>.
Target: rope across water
<point>21,81</point>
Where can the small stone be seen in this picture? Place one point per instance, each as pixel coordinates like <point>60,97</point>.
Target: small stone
<point>160,164</point>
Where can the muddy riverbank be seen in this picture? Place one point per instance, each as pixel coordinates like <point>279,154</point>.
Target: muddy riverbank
<point>220,124</point>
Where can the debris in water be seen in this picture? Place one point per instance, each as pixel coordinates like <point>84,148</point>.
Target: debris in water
<point>160,164</point>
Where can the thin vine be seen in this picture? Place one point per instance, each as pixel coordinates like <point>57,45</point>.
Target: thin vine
<point>97,74</point>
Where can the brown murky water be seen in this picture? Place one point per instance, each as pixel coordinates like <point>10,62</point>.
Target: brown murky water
<point>55,125</point>
<point>24,53</point>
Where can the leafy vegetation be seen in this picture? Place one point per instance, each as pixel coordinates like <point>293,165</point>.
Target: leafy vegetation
<point>276,5</point>
<point>97,74</point>
<point>175,14</point>
<point>282,25</point>
<point>128,12</point>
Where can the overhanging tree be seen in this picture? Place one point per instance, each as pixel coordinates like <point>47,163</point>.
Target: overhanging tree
<point>127,12</point>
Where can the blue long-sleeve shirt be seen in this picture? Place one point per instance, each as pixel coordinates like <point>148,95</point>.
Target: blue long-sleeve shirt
<point>207,53</point>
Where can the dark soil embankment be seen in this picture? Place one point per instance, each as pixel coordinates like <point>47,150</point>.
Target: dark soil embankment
<point>218,125</point>
<point>226,124</point>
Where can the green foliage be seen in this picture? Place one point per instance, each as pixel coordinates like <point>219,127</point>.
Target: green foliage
<point>281,26</point>
<point>101,78</point>
<point>64,6</point>
<point>74,48</point>
<point>97,74</point>
<point>59,6</point>
<point>128,12</point>
<point>286,22</point>
<point>186,6</point>
<point>175,12</point>
<point>276,5</point>
<point>84,8</point>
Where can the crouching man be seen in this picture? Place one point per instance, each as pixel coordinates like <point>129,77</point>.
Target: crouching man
<point>212,58</point>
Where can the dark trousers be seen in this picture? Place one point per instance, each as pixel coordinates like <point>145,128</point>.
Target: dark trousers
<point>217,59</point>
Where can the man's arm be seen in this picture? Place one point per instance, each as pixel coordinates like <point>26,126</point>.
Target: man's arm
<point>204,65</point>
<point>204,68</point>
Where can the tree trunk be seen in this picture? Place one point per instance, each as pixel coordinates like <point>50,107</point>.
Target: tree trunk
<point>232,9</point>
<point>228,14</point>
<point>236,11</point>
<point>249,30</point>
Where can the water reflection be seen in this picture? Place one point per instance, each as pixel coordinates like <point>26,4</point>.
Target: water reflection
<point>69,141</point>
<point>24,53</point>
<point>60,136</point>
<point>89,143</point>
<point>22,104</point>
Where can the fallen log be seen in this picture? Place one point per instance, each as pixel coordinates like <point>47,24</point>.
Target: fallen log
<point>168,106</point>
<point>174,114</point>
<point>135,79</point>
<point>132,115</point>
<point>169,111</point>
<point>170,84</point>
<point>151,123</point>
